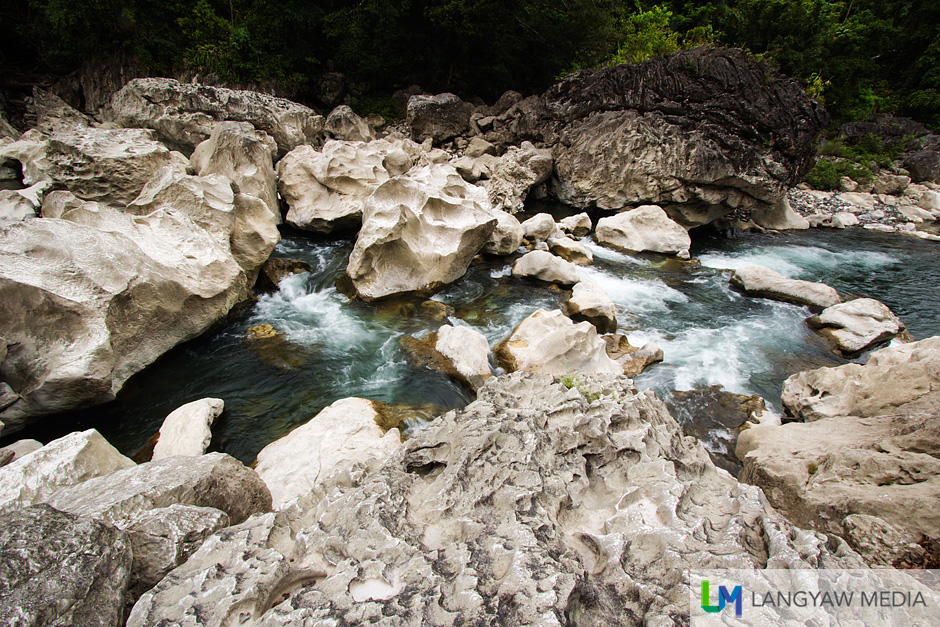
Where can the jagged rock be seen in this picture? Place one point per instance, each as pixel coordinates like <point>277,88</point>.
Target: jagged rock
<point>577,225</point>
<point>215,480</point>
<point>52,112</point>
<point>419,231</point>
<point>343,123</point>
<point>868,462</point>
<point>245,155</point>
<point>887,183</point>
<point>544,266</point>
<point>539,227</point>
<point>923,165</point>
<point>17,205</point>
<point>7,131</point>
<point>164,538</point>
<point>458,352</point>
<point>518,171</point>
<point>570,250</point>
<point>856,325</point>
<point>327,190</point>
<point>632,359</point>
<point>20,449</point>
<point>276,269</point>
<point>764,282</point>
<point>104,165</point>
<point>589,301</point>
<point>706,126</point>
<point>507,236</point>
<point>549,342</point>
<point>326,450</point>
<point>479,147</point>
<point>473,170</point>
<point>646,228</point>
<point>184,115</point>
<point>580,511</point>
<point>187,430</point>
<point>65,462</point>
<point>60,569</point>
<point>855,390</point>
<point>439,117</point>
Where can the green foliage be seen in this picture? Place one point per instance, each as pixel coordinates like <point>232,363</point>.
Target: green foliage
<point>644,35</point>
<point>576,380</point>
<point>828,173</point>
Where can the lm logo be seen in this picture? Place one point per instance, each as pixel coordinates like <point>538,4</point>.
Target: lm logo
<point>724,597</point>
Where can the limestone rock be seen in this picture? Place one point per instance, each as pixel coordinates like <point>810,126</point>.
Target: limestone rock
<point>570,250</point>
<point>507,236</point>
<point>215,480</point>
<point>544,266</point>
<point>52,112</point>
<point>633,360</point>
<point>18,204</point>
<point>343,123</point>
<point>539,227</point>
<point>589,301</point>
<point>887,183</point>
<point>859,201</point>
<point>419,231</point>
<point>439,117</point>
<point>184,115</point>
<point>164,538</point>
<point>60,569</point>
<point>866,479</point>
<point>761,281</point>
<point>21,448</point>
<point>459,352</point>
<point>65,462</point>
<point>577,225</point>
<point>779,216</point>
<point>188,429</point>
<point>518,171</point>
<point>549,342</point>
<point>856,325</point>
<point>325,450</point>
<point>276,269</point>
<point>7,131</point>
<point>645,228</point>
<point>570,507</point>
<point>245,155</point>
<point>327,189</point>
<point>855,390</point>
<point>479,147</point>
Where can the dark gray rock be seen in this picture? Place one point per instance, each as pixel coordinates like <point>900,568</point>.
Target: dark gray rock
<point>61,569</point>
<point>439,117</point>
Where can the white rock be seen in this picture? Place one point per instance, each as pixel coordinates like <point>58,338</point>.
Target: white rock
<point>760,281</point>
<point>927,236</point>
<point>577,225</point>
<point>518,171</point>
<point>539,227</point>
<point>544,266</point>
<point>549,342</point>
<point>862,201</point>
<point>325,450</point>
<point>779,217</point>
<point>857,324</point>
<point>506,237</point>
<point>479,147</point>
<point>419,231</point>
<point>571,250</point>
<point>62,463</point>
<point>929,201</point>
<point>467,353</point>
<point>343,123</point>
<point>16,206</point>
<point>589,301</point>
<point>188,430</point>
<point>845,219</point>
<point>645,228</point>
<point>21,448</point>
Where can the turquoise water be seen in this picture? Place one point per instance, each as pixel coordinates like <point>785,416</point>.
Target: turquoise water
<point>332,348</point>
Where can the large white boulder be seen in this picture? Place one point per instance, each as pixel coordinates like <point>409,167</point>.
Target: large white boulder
<point>62,463</point>
<point>645,228</point>
<point>419,231</point>
<point>577,225</point>
<point>327,189</point>
<point>858,324</point>
<point>458,352</point>
<point>760,281</point>
<point>571,250</point>
<point>184,115</point>
<point>544,266</point>
<point>506,237</point>
<point>539,227</point>
<point>589,302</point>
<point>245,155</point>
<point>187,430</point>
<point>326,449</point>
<point>550,342</point>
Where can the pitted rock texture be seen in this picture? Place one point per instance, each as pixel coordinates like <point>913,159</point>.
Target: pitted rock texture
<point>60,569</point>
<point>184,115</point>
<point>518,171</point>
<point>419,231</point>
<point>531,506</point>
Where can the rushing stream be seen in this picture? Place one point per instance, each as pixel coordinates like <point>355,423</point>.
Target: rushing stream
<point>332,348</point>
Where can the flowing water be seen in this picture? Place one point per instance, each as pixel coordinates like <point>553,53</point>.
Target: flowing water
<point>331,348</point>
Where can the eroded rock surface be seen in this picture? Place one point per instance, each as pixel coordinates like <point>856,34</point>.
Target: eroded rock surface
<point>589,301</point>
<point>518,171</point>
<point>580,512</point>
<point>760,281</point>
<point>856,325</point>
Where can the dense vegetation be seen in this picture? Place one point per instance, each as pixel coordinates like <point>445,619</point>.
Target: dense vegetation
<point>858,56</point>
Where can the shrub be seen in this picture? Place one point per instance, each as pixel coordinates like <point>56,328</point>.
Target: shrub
<point>828,173</point>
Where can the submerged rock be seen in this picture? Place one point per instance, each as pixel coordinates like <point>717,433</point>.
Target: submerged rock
<point>589,301</point>
<point>532,493</point>
<point>646,228</point>
<point>420,231</point>
<point>277,269</point>
<point>61,569</point>
<point>544,266</point>
<point>856,325</point>
<point>760,281</point>
<point>632,359</point>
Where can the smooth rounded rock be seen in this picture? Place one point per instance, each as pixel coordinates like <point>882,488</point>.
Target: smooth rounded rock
<point>645,228</point>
